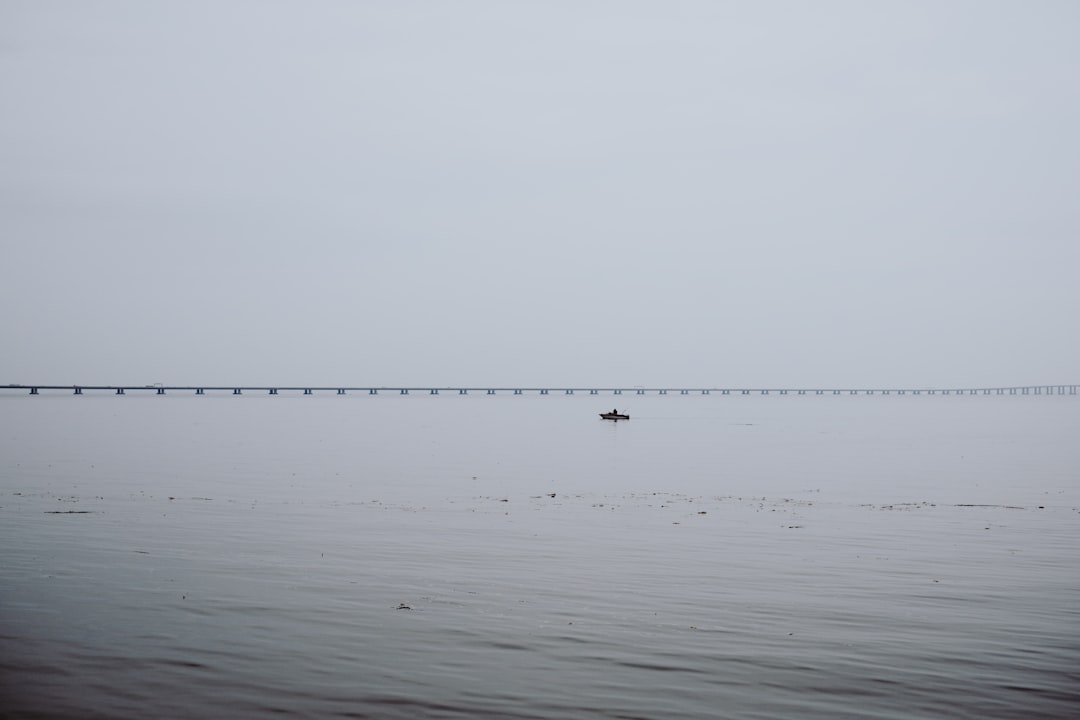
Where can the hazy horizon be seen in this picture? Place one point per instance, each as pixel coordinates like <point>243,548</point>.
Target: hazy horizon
<point>545,194</point>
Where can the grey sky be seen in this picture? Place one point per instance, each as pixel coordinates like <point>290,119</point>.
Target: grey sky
<point>712,193</point>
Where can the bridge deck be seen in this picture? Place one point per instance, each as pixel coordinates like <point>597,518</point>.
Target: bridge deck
<point>1067,389</point>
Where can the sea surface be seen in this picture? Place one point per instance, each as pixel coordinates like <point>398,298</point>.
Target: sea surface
<point>510,556</point>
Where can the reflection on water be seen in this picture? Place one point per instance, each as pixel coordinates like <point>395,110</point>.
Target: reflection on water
<point>444,557</point>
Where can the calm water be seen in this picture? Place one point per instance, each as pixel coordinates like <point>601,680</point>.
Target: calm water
<point>517,557</point>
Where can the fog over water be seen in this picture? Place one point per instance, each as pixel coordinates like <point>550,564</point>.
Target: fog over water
<point>615,193</point>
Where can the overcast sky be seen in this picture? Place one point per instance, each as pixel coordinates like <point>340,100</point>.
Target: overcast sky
<point>540,193</point>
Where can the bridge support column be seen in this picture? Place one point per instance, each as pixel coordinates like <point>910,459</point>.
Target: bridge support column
<point>119,391</point>
<point>517,392</point>
<point>33,391</point>
<point>404,391</point>
<point>434,391</point>
<point>341,391</point>
<point>161,391</point>
<point>725,392</point>
<point>663,392</point>
<point>199,391</point>
<point>704,392</point>
<point>78,391</point>
<point>617,392</point>
<point>236,391</point>
<point>490,392</point>
<point>543,391</point>
<point>462,391</point>
<point>569,392</point>
<point>372,391</point>
<point>684,392</point>
<point>594,392</point>
<point>273,391</point>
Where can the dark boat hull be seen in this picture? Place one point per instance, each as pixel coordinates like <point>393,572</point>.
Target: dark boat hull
<point>614,416</point>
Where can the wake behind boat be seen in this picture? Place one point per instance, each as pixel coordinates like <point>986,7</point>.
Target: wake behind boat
<point>615,415</point>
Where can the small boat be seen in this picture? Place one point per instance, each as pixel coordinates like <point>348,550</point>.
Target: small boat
<point>616,416</point>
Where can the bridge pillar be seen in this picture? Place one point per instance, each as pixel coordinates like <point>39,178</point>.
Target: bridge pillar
<point>273,391</point>
<point>161,391</point>
<point>543,391</point>
<point>434,391</point>
<point>341,391</point>
<point>517,392</point>
<point>663,392</point>
<point>462,391</point>
<point>640,391</point>
<point>404,391</point>
<point>568,392</point>
<point>618,392</point>
<point>1072,389</point>
<point>684,392</point>
<point>802,392</point>
<point>236,391</point>
<point>745,392</point>
<point>33,391</point>
<point>78,391</point>
<point>372,391</point>
<point>119,391</point>
<point>490,392</point>
<point>704,392</point>
<point>819,392</point>
<point>199,391</point>
<point>594,392</point>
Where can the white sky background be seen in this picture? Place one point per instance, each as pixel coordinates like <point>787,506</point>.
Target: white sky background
<point>540,193</point>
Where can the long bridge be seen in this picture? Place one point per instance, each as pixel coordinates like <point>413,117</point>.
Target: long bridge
<point>160,389</point>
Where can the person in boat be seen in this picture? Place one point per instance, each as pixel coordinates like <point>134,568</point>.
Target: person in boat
<point>614,411</point>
